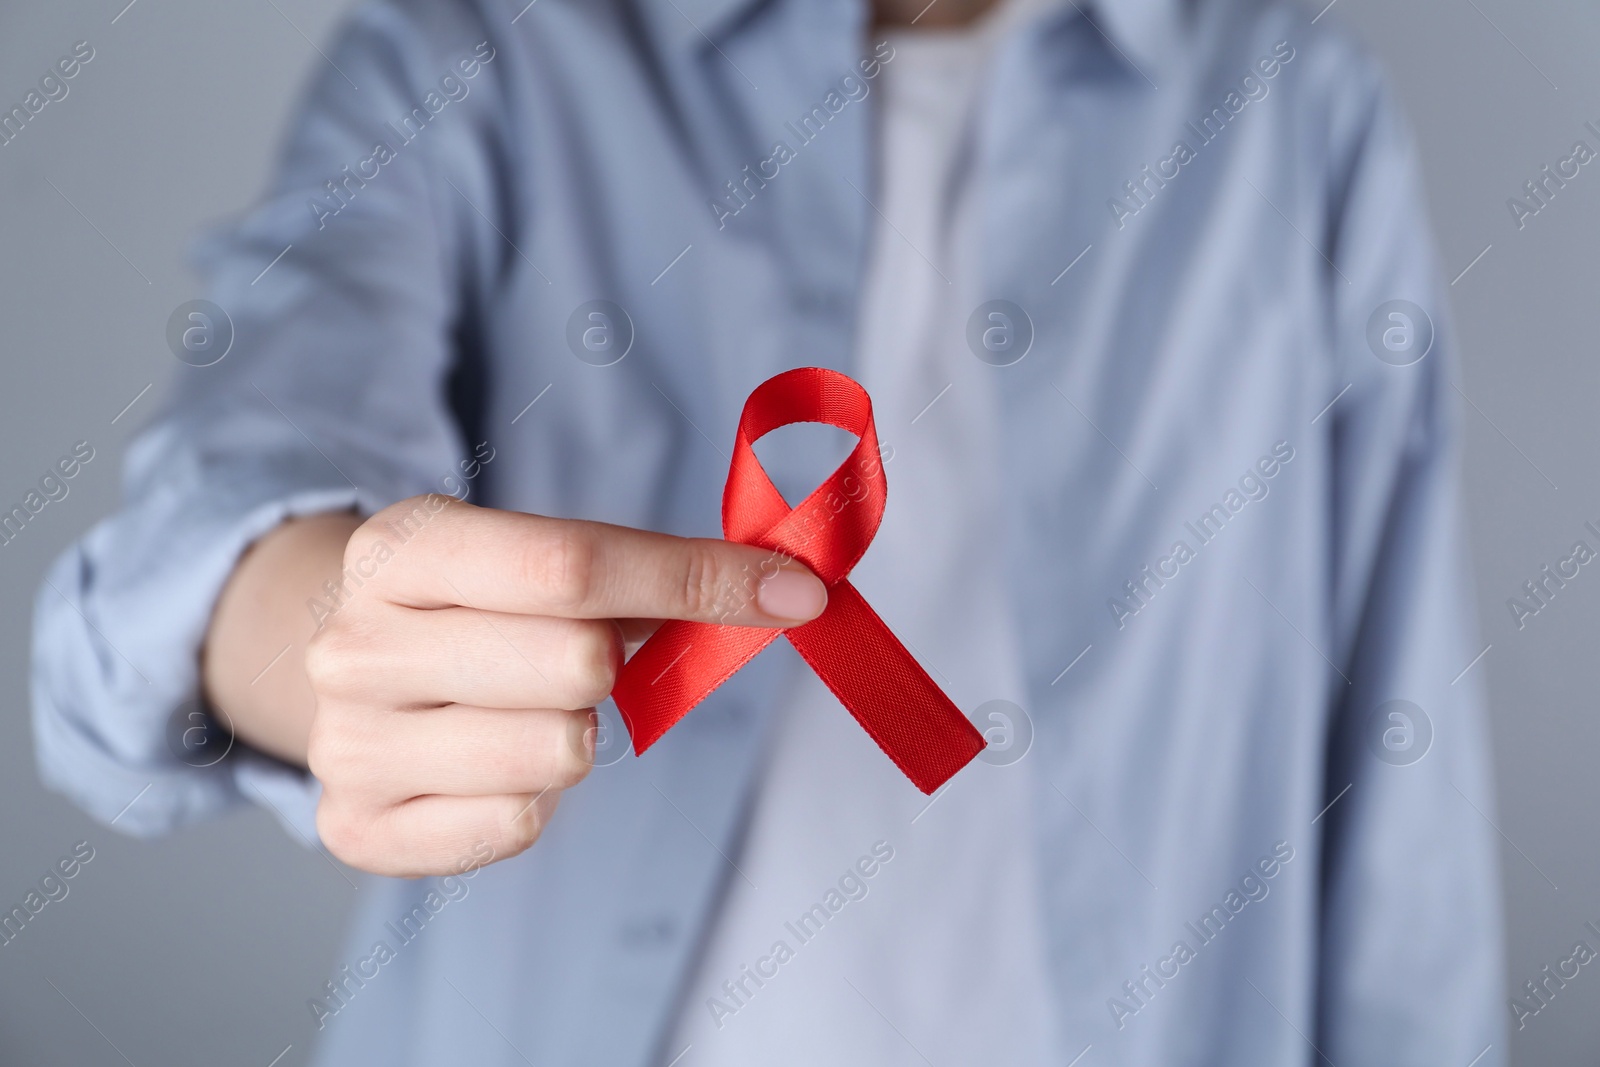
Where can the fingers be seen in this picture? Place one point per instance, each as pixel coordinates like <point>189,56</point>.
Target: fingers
<point>383,758</point>
<point>414,792</point>
<point>405,657</point>
<point>389,757</point>
<point>452,625</point>
<point>509,562</point>
<point>433,835</point>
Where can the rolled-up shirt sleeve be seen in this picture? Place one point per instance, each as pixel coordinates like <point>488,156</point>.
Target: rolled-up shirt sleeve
<point>1411,970</point>
<point>344,290</point>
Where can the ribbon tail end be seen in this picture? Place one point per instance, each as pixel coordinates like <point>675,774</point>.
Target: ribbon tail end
<point>930,779</point>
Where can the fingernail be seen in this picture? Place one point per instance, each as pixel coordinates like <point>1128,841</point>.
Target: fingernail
<point>796,595</point>
<point>580,735</point>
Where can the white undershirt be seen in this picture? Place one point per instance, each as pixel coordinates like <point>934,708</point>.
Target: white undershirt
<point>941,959</point>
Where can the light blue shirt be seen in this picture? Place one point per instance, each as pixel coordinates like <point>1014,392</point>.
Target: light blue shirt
<point>1230,503</point>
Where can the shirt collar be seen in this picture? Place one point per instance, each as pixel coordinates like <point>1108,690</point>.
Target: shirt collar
<point>1144,31</point>
<point>697,23</point>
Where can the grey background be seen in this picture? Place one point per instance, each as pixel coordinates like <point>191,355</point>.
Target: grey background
<point>203,947</point>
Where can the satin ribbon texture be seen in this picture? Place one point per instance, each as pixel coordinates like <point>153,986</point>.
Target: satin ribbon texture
<point>848,645</point>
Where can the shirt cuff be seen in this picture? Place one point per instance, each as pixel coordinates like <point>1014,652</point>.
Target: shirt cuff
<point>119,623</point>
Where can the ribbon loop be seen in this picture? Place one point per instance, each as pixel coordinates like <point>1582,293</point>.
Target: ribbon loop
<point>848,645</point>
<point>830,529</point>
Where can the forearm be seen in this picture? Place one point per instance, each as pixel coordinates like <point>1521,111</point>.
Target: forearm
<point>254,659</point>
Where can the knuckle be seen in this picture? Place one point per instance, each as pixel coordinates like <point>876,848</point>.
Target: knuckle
<point>572,763</point>
<point>331,747</point>
<point>560,563</point>
<point>326,657</point>
<point>338,654</point>
<point>520,825</point>
<point>551,755</point>
<point>364,534</point>
<point>578,769</point>
<point>413,516</point>
<point>704,585</point>
<point>343,830</point>
<point>594,656</point>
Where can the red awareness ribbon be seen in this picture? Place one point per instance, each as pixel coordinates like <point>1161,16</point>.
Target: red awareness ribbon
<point>849,647</point>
